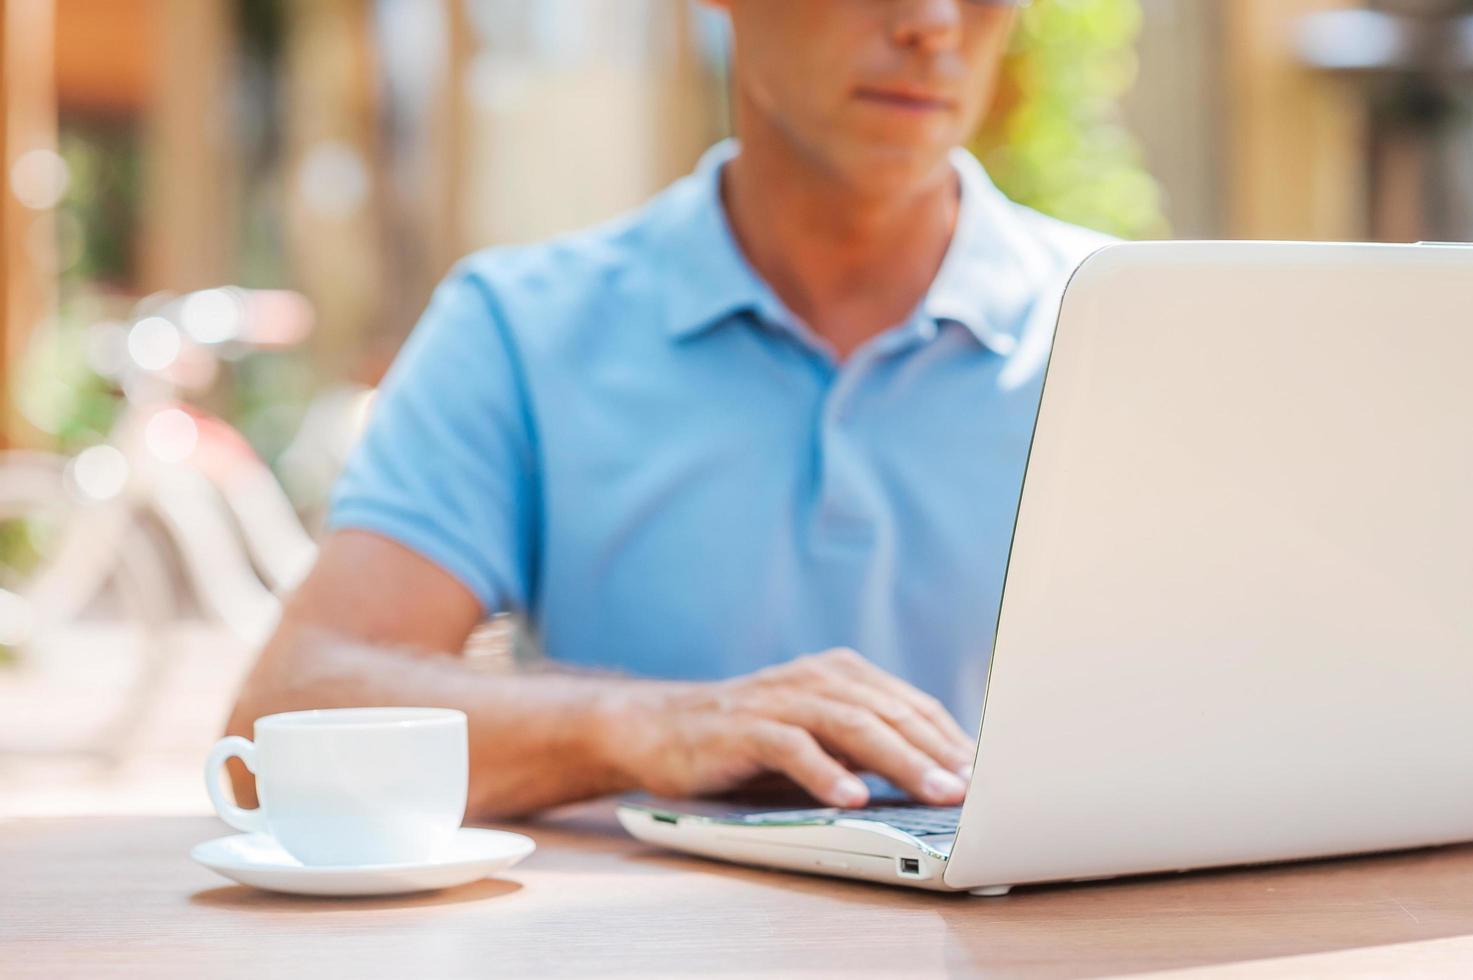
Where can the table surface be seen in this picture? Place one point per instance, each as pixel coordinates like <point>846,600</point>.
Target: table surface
<point>91,895</point>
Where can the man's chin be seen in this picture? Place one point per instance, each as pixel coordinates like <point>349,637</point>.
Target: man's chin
<point>880,169</point>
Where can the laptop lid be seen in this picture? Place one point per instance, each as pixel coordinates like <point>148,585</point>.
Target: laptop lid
<point>1237,622</point>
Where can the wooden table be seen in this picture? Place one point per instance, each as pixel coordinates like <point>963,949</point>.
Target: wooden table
<point>93,896</point>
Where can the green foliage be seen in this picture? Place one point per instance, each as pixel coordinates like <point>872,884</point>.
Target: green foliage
<point>1056,141</point>
<point>96,231</point>
<point>265,394</point>
<point>98,217</point>
<point>56,388</point>
<point>20,555</point>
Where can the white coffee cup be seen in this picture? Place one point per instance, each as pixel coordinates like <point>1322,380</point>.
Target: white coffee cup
<point>352,786</point>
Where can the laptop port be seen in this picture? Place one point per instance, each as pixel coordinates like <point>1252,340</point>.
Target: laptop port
<point>909,867</point>
<point>664,818</point>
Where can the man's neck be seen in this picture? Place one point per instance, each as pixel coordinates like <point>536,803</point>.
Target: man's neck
<point>849,265</point>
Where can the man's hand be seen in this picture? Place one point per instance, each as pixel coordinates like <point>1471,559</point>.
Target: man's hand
<point>799,719</point>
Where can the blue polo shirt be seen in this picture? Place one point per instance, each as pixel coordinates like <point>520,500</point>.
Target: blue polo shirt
<point>623,435</point>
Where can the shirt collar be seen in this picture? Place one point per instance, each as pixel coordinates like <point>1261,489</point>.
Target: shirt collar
<point>710,279</point>
<point>987,280</point>
<point>994,267</point>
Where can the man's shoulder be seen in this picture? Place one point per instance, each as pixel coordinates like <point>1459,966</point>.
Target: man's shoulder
<point>588,253</point>
<point>567,277</point>
<point>1067,244</point>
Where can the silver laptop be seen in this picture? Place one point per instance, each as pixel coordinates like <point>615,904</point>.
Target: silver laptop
<point>1237,623</point>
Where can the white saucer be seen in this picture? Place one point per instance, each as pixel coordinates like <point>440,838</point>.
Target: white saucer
<point>256,859</point>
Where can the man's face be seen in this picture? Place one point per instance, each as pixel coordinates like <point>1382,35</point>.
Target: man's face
<point>875,91</point>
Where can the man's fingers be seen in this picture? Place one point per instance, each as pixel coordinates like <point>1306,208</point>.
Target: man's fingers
<point>792,751</point>
<point>928,706</point>
<point>856,667</point>
<point>905,718</point>
<point>861,735</point>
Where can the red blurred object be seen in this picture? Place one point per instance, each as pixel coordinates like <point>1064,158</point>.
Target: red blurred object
<point>276,318</point>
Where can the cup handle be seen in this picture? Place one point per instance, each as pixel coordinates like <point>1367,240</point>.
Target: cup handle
<point>250,821</point>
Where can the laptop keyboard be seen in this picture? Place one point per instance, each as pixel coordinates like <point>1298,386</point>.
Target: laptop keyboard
<point>918,821</point>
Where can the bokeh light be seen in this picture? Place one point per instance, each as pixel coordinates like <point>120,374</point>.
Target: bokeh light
<point>333,179</point>
<point>99,472</point>
<point>39,179</point>
<point>171,435</point>
<point>153,343</point>
<point>212,316</point>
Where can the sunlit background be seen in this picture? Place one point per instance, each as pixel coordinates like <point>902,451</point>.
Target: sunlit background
<point>221,217</point>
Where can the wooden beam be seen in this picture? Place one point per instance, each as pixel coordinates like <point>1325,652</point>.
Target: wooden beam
<point>334,179</point>
<point>190,178</point>
<point>1175,111</point>
<point>105,54</point>
<point>27,235</point>
<point>1296,146</point>
<point>445,234</point>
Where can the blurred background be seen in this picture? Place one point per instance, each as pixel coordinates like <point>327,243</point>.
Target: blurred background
<point>220,218</point>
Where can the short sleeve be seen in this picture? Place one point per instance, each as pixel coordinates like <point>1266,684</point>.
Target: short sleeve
<point>447,464</point>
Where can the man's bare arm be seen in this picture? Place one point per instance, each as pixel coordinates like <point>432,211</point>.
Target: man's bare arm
<point>363,627</point>
<point>372,625</point>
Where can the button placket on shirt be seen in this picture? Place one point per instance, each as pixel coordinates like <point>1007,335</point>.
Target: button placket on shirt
<point>843,479</point>
<point>840,505</point>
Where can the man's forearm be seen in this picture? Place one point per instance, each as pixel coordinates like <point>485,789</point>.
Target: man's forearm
<point>536,739</point>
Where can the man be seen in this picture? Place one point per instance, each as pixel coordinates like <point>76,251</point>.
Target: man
<point>782,410</point>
